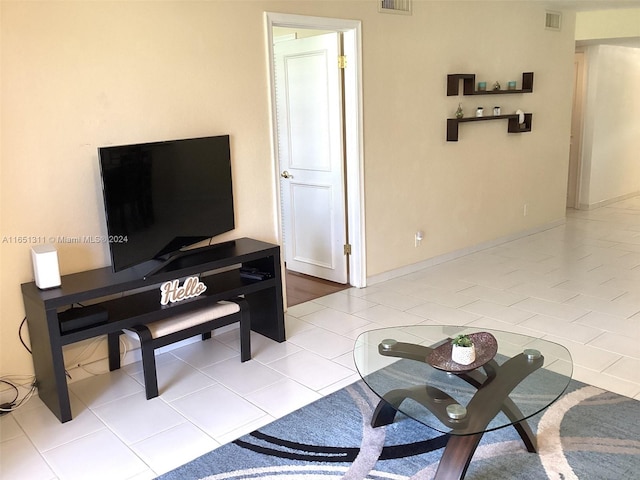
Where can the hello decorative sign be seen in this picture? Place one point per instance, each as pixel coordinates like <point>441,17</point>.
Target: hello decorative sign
<point>172,291</point>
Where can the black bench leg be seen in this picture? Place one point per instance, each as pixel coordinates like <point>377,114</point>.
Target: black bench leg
<point>113,345</point>
<point>148,362</point>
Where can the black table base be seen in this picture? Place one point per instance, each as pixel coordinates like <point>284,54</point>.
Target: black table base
<point>492,397</point>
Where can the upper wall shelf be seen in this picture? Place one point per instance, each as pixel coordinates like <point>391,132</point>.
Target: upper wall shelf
<point>469,85</point>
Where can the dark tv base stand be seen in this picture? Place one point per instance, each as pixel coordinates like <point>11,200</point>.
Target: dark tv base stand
<point>219,269</point>
<point>188,258</point>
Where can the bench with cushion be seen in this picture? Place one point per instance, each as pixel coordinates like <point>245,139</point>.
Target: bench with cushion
<point>180,327</point>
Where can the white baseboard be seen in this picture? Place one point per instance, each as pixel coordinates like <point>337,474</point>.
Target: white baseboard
<point>604,203</point>
<point>446,257</point>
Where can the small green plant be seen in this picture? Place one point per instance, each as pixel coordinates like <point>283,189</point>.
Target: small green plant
<point>462,341</point>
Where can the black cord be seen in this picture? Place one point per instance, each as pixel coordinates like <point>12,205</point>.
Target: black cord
<point>24,320</point>
<point>8,407</point>
<point>15,388</point>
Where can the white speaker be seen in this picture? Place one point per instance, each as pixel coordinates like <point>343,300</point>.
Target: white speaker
<point>45,266</point>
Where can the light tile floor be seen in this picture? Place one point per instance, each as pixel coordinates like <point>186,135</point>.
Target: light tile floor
<point>577,284</point>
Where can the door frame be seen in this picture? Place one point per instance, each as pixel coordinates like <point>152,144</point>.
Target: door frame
<point>353,140</point>
<point>574,181</point>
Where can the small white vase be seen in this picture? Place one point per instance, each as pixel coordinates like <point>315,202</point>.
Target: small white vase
<point>463,355</point>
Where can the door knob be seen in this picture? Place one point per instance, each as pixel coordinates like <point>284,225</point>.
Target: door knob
<point>286,174</point>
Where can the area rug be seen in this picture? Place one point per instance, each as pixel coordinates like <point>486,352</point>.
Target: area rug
<point>588,433</point>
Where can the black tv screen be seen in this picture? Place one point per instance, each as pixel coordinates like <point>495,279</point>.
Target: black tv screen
<point>160,197</point>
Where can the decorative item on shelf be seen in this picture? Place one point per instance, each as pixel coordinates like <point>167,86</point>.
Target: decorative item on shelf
<point>479,112</point>
<point>173,292</point>
<point>496,86</point>
<point>459,112</point>
<point>520,114</point>
<point>511,85</point>
<point>496,111</point>
<point>482,86</point>
<point>463,350</point>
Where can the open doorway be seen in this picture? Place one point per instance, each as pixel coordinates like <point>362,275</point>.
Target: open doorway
<point>328,210</point>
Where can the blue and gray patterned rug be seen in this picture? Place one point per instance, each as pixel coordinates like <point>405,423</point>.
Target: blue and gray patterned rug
<point>588,434</point>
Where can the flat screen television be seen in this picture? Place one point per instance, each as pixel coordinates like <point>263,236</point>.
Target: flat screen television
<point>163,196</point>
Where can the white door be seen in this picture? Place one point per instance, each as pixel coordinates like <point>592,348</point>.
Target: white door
<point>310,152</point>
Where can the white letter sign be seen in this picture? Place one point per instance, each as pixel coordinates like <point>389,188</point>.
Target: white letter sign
<point>173,292</point>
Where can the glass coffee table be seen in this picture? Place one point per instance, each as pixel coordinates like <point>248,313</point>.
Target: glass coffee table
<point>513,378</point>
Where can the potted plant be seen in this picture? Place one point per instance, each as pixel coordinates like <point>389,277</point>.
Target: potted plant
<point>463,351</point>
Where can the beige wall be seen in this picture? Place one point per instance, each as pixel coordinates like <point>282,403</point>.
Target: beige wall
<point>608,24</point>
<point>474,190</point>
<point>78,75</point>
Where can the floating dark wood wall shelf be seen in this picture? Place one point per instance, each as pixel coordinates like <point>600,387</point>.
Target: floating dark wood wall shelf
<point>469,85</point>
<point>512,127</point>
<point>469,88</point>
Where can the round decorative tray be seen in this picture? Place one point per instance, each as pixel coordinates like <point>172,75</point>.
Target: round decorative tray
<point>486,348</point>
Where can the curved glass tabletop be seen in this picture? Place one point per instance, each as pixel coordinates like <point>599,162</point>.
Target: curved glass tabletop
<point>525,376</point>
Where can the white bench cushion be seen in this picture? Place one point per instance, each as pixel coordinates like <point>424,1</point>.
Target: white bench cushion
<point>166,326</point>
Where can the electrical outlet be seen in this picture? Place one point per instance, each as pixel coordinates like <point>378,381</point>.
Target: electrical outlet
<point>418,238</point>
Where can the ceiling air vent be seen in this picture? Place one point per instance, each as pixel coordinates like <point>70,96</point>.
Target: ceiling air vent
<point>552,21</point>
<point>395,6</point>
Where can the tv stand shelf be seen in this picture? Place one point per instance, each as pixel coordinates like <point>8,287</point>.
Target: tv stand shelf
<point>139,303</point>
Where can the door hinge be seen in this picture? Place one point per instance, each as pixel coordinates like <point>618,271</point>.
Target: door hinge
<point>342,61</point>
<point>347,249</point>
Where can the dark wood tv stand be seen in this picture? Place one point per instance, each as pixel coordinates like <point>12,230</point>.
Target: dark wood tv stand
<point>137,302</point>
